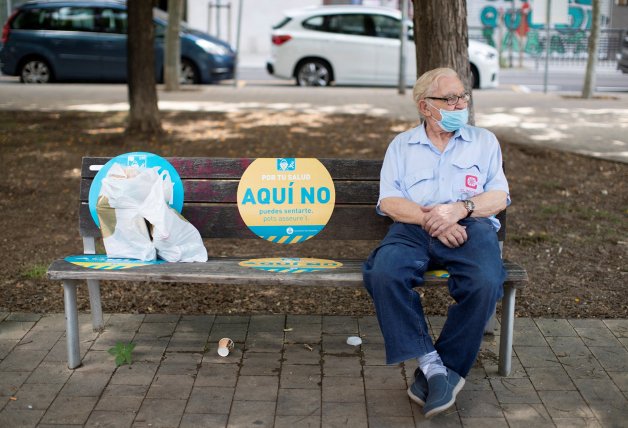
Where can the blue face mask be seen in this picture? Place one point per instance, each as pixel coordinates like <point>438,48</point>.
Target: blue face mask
<point>452,120</point>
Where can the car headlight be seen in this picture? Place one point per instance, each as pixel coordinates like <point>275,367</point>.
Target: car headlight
<point>212,48</point>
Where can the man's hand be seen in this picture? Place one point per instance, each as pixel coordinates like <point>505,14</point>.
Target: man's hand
<point>440,218</point>
<point>454,236</point>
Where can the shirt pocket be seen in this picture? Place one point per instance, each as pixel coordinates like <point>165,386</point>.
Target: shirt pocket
<point>468,180</point>
<point>419,184</point>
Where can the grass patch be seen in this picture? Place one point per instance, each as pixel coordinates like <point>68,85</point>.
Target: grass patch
<point>593,214</point>
<point>552,210</point>
<point>36,271</point>
<point>531,238</point>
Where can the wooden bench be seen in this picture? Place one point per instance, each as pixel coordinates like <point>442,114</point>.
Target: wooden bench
<point>210,186</point>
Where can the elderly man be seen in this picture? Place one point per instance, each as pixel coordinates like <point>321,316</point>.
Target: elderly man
<point>442,183</point>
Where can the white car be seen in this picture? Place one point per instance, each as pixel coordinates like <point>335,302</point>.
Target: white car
<point>355,45</point>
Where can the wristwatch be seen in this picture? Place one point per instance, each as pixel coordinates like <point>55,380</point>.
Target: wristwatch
<point>469,206</point>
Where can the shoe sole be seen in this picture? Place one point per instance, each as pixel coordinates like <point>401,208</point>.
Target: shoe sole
<point>415,398</point>
<point>439,409</point>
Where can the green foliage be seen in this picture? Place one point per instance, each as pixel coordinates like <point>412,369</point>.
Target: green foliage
<point>36,271</point>
<point>122,352</point>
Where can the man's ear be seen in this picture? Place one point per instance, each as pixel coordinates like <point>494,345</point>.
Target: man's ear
<point>423,108</point>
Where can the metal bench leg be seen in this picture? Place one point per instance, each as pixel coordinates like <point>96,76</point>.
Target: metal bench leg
<point>93,286</point>
<point>98,323</point>
<point>71,323</point>
<point>506,333</point>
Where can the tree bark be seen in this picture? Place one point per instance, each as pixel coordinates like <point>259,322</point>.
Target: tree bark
<point>442,40</point>
<point>589,78</point>
<point>172,54</point>
<point>144,113</point>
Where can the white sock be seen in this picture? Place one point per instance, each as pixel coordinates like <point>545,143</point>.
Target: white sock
<point>431,364</point>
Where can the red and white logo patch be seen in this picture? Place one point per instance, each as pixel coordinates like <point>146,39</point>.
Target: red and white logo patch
<point>471,181</point>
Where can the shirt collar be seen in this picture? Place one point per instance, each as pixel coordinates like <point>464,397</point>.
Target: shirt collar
<point>419,135</point>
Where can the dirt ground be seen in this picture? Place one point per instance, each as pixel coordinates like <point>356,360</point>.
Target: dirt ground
<point>567,224</point>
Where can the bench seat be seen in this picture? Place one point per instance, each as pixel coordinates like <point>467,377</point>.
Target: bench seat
<point>210,186</point>
<point>227,271</point>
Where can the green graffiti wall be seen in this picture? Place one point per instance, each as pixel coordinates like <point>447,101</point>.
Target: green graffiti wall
<point>507,24</point>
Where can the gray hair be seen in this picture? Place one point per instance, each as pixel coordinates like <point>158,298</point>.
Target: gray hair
<point>425,85</point>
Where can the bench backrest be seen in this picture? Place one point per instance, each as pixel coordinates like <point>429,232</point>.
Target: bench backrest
<point>210,188</point>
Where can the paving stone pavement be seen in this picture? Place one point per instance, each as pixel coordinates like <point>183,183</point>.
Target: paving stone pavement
<point>298,371</point>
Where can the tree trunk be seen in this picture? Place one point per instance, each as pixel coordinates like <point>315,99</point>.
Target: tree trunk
<point>589,77</point>
<point>442,39</point>
<point>172,54</point>
<point>144,113</point>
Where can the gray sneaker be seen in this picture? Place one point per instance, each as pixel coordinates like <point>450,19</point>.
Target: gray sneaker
<point>418,389</point>
<point>442,392</point>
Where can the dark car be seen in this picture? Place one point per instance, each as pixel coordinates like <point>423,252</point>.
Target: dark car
<point>44,41</point>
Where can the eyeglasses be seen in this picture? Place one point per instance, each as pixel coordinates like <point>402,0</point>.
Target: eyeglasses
<point>452,100</point>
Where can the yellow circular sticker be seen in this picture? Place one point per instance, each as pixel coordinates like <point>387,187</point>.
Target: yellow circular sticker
<point>291,264</point>
<point>286,200</point>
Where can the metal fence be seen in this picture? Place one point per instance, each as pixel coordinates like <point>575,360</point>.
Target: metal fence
<point>567,46</point>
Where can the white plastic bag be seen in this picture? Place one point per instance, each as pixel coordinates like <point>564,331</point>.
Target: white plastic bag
<point>125,233</point>
<point>175,239</point>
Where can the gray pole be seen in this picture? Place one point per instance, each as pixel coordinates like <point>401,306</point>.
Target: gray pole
<point>229,22</point>
<point>403,35</point>
<point>172,47</point>
<point>218,18</point>
<point>210,6</point>
<point>513,15</point>
<point>236,66</point>
<point>547,45</point>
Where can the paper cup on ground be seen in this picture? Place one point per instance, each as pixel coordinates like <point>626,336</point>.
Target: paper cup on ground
<point>225,345</point>
<point>354,341</point>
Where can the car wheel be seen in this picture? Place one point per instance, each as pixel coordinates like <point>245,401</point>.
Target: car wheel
<point>475,77</point>
<point>189,74</point>
<point>313,73</point>
<point>35,71</point>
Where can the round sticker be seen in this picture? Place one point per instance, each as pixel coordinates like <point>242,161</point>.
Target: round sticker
<point>437,273</point>
<point>102,262</point>
<point>286,200</point>
<point>291,264</point>
<point>141,160</point>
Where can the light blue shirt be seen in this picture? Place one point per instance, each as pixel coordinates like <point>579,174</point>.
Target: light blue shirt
<point>470,164</point>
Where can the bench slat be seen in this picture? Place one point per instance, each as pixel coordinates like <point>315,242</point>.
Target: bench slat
<point>224,221</point>
<point>225,191</point>
<point>226,271</point>
<point>217,168</point>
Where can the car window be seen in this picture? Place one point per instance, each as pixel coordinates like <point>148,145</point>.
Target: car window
<point>113,21</point>
<point>387,26</point>
<point>354,24</point>
<point>73,19</point>
<point>282,23</point>
<point>160,30</point>
<point>32,19</point>
<point>314,23</point>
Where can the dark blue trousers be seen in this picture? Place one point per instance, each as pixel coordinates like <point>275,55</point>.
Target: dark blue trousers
<point>476,280</point>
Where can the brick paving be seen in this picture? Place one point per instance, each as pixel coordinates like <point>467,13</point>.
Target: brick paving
<point>298,371</point>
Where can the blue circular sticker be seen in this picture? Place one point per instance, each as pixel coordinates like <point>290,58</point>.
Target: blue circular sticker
<point>140,160</point>
<point>102,262</point>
